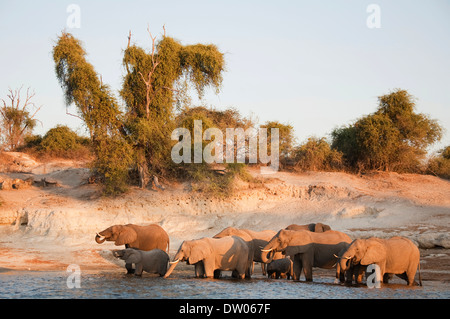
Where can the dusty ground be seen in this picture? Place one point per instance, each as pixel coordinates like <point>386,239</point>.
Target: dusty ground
<point>48,228</point>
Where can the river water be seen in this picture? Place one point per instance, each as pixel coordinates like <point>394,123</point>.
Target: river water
<point>182,285</point>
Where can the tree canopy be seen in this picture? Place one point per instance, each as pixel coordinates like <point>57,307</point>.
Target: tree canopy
<point>139,135</point>
<point>395,137</point>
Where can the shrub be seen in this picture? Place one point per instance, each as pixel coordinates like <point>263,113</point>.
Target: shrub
<point>316,154</point>
<point>394,138</point>
<point>440,165</point>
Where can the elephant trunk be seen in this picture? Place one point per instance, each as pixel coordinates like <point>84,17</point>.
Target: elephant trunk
<point>267,255</point>
<point>173,264</point>
<point>345,262</point>
<point>99,239</point>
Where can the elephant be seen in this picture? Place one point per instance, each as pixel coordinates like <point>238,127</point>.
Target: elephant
<point>254,239</point>
<point>345,273</point>
<point>314,227</point>
<point>396,255</point>
<point>212,255</point>
<point>154,261</point>
<point>133,236</point>
<point>307,249</point>
<point>280,268</point>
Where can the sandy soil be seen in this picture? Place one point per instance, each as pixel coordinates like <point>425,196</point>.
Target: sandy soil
<point>48,228</point>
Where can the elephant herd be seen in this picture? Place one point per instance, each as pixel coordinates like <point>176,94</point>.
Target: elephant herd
<point>287,253</point>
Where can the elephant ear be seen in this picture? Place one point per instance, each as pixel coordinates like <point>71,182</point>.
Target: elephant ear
<point>200,249</point>
<point>126,235</point>
<point>375,252</point>
<point>133,257</point>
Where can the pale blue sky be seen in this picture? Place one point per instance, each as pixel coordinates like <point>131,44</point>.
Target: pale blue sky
<point>313,64</point>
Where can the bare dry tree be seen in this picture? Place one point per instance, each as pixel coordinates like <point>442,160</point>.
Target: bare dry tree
<point>16,119</point>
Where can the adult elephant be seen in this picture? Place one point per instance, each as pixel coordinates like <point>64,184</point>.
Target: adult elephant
<point>307,249</point>
<point>396,255</point>
<point>133,236</point>
<point>255,241</point>
<point>212,255</point>
<point>314,227</point>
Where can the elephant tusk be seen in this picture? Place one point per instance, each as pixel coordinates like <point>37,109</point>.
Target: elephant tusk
<point>266,250</point>
<point>335,255</point>
<point>348,257</point>
<point>174,262</point>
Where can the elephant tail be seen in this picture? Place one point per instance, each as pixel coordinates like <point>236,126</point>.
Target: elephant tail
<point>420,276</point>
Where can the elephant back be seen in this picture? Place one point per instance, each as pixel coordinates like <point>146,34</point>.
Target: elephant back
<point>150,237</point>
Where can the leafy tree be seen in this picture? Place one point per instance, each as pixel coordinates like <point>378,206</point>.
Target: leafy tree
<point>440,164</point>
<point>344,140</point>
<point>16,119</point>
<point>392,138</point>
<point>59,139</point>
<point>316,154</point>
<point>98,109</point>
<point>139,138</point>
<point>286,138</point>
<point>152,86</point>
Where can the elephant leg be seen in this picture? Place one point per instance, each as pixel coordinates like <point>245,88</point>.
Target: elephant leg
<point>348,275</point>
<point>307,262</point>
<point>307,270</point>
<point>218,274</point>
<point>199,270</point>
<point>139,270</point>
<point>297,268</point>
<point>387,276</point>
<point>409,278</point>
<point>359,272</point>
<point>263,268</point>
<point>248,272</point>
<point>209,264</point>
<point>237,274</point>
<point>243,270</point>
<point>129,268</point>
<point>411,274</point>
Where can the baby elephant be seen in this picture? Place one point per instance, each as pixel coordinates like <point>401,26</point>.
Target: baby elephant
<point>154,261</point>
<point>280,268</point>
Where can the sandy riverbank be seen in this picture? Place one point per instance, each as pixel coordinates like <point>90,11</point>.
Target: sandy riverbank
<point>52,227</point>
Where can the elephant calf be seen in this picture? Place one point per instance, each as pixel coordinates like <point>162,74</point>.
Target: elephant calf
<point>154,261</point>
<point>280,268</point>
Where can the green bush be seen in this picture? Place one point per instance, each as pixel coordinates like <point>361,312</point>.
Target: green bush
<point>440,165</point>
<point>59,141</point>
<point>394,138</point>
<point>316,154</point>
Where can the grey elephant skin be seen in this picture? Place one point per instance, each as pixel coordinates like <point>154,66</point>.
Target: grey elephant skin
<point>280,268</point>
<point>396,255</point>
<point>255,241</point>
<point>307,249</point>
<point>212,255</point>
<point>154,261</point>
<point>134,236</point>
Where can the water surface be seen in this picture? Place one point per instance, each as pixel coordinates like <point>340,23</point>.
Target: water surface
<point>181,285</point>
